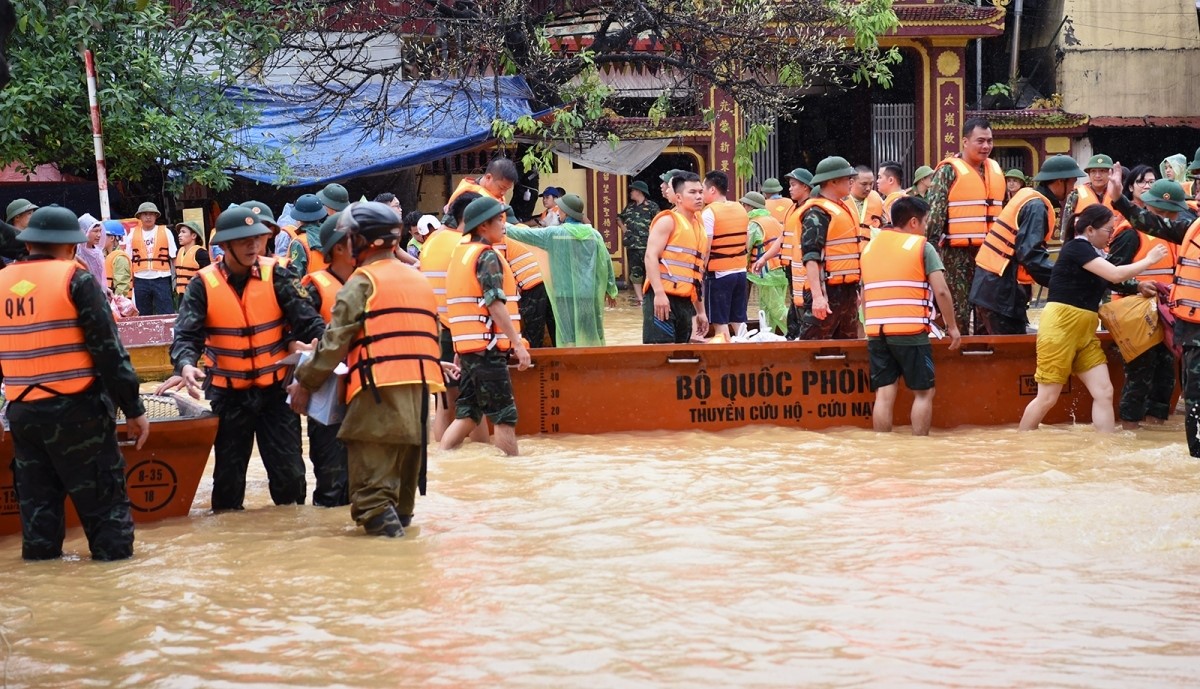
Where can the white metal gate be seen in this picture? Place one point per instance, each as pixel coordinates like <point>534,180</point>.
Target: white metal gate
<point>766,161</point>
<point>893,127</point>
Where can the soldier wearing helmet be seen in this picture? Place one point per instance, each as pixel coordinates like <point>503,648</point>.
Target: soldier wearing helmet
<point>64,371</point>
<point>385,327</point>
<point>242,314</point>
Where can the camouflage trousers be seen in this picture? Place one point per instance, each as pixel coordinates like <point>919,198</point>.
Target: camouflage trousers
<point>328,457</point>
<point>485,389</point>
<point>72,451</point>
<point>537,316</point>
<point>960,271</point>
<point>382,476</point>
<point>1149,383</point>
<point>635,255</point>
<point>245,415</point>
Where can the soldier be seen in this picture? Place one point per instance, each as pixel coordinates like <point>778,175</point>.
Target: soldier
<point>325,451</point>
<point>922,178</point>
<point>152,250</point>
<point>1014,181</point>
<point>389,338</point>
<point>1098,169</point>
<point>481,294</point>
<point>64,370</point>
<point>635,222</point>
<point>830,241</point>
<point>1014,255</point>
<point>965,196</point>
<point>1163,217</point>
<point>866,203</point>
<point>237,312</point>
<point>310,212</point>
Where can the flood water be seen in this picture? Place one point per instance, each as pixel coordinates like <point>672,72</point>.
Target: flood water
<point>752,558</point>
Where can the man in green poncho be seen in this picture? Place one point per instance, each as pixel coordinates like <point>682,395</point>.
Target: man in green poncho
<point>580,278</point>
<point>767,276</point>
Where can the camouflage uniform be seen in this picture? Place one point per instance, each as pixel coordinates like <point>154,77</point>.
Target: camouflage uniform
<point>1187,334</point>
<point>484,388</point>
<point>842,321</point>
<point>256,412</point>
<point>326,452</point>
<point>959,261</point>
<point>1150,378</point>
<point>68,445</point>
<point>296,256</point>
<point>637,218</point>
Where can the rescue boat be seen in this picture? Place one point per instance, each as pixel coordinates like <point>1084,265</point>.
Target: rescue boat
<point>805,385</point>
<point>161,478</point>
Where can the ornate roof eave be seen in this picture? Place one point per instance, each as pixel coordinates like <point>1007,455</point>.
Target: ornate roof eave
<point>1051,121</point>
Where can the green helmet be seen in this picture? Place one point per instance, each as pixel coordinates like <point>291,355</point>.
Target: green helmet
<point>1165,195</point>
<point>1016,174</point>
<point>801,175</point>
<point>331,234</point>
<point>238,223</point>
<point>265,215</point>
<point>52,225</point>
<point>334,196</point>
<point>480,211</point>
<point>771,185</point>
<point>754,200</point>
<point>19,206</point>
<point>921,173</point>
<point>147,207</point>
<point>1098,162</point>
<point>667,176</point>
<point>1194,166</point>
<point>1059,167</point>
<point>833,167</point>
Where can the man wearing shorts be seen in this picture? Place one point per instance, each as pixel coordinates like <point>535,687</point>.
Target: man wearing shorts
<point>481,297</point>
<point>900,272</point>
<point>726,223</point>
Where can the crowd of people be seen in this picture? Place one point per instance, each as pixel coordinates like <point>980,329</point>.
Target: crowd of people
<point>425,306</point>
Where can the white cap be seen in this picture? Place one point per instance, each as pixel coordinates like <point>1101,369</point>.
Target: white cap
<point>426,224</point>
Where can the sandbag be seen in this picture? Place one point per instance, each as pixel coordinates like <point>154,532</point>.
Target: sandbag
<point>1134,324</point>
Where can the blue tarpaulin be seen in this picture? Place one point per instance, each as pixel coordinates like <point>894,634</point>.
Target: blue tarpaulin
<point>441,118</point>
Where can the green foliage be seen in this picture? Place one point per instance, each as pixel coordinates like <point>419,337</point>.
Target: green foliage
<point>160,82</point>
<point>1000,88</point>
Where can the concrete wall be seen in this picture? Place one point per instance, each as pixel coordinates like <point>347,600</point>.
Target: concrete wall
<point>1127,60</point>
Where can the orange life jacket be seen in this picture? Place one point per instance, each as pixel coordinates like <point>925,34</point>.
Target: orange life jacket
<point>890,201</point>
<point>471,325</point>
<point>246,335</point>
<point>316,260</point>
<point>1087,197</point>
<point>778,208</point>
<point>789,241</point>
<point>110,268</point>
<point>327,285</point>
<point>42,346</point>
<point>772,230</point>
<point>290,230</point>
<point>524,264</point>
<point>796,254</point>
<point>398,342</point>
<point>1001,242</point>
<point>897,299</point>
<point>186,267</point>
<point>435,261</point>
<point>1185,293</point>
<point>1160,272</point>
<point>869,212</point>
<point>139,255</point>
<point>470,184</point>
<point>679,267</point>
<point>974,202</point>
<point>843,241</point>
<point>727,250</point>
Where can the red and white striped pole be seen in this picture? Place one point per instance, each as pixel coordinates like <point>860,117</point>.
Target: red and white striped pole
<point>97,136</point>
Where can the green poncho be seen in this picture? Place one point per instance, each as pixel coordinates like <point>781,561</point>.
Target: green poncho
<point>578,274</point>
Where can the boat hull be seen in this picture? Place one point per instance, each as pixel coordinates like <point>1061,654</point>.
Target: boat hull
<point>804,385</point>
<point>161,478</point>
